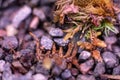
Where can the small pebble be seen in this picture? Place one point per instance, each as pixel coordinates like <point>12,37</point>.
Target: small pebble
<point>39,77</point>
<point>110,59</point>
<point>19,67</point>
<point>56,32</point>
<point>58,78</point>
<point>86,66</point>
<point>43,2</point>
<point>34,23</point>
<point>38,33</point>
<point>56,70</point>
<point>10,42</point>
<point>99,69</point>
<point>61,42</point>
<point>46,10</point>
<point>7,73</point>
<point>4,21</point>
<point>110,40</point>
<point>46,42</point>
<point>2,33</point>
<point>2,63</point>
<point>84,55</point>
<point>85,77</point>
<point>118,15</point>
<point>34,2</point>
<point>72,78</point>
<point>30,45</point>
<point>27,57</point>
<point>11,30</point>
<point>40,69</point>
<point>66,74</point>
<point>116,70</point>
<point>80,50</point>
<point>21,15</point>
<point>24,52</point>
<point>39,13</point>
<point>1,53</point>
<point>27,37</point>
<point>9,58</point>
<point>74,71</point>
<point>116,49</point>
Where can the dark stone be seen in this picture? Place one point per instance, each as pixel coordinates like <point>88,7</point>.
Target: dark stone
<point>116,70</point>
<point>66,74</point>
<point>99,69</point>
<point>61,42</point>
<point>86,66</point>
<point>85,77</point>
<point>110,59</point>
<point>10,42</point>
<point>56,70</point>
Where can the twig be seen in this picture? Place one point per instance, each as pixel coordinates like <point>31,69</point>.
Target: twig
<point>38,51</point>
<point>70,47</point>
<point>61,52</point>
<point>53,49</point>
<point>116,77</point>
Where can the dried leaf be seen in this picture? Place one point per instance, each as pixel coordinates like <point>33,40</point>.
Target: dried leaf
<point>70,47</point>
<point>61,52</point>
<point>71,33</point>
<point>99,43</point>
<point>68,30</point>
<point>96,55</point>
<point>68,35</point>
<point>85,45</point>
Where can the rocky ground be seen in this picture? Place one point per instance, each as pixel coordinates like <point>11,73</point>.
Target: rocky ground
<point>28,35</point>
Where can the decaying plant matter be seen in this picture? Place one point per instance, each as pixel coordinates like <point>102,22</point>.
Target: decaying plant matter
<point>85,15</point>
<point>86,19</point>
<point>56,55</point>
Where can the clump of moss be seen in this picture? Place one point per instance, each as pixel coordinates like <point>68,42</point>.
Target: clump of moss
<point>88,18</point>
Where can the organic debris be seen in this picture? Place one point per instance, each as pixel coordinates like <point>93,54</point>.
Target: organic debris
<point>85,16</point>
<point>87,19</point>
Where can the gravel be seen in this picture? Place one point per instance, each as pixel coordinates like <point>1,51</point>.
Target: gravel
<point>74,71</point>
<point>21,15</point>
<point>116,70</point>
<point>40,69</point>
<point>56,32</point>
<point>39,13</point>
<point>9,58</point>
<point>110,59</point>
<point>2,63</point>
<point>85,77</point>
<point>10,42</point>
<point>18,50</point>
<point>86,66</point>
<point>39,77</point>
<point>116,49</point>
<point>61,42</point>
<point>56,70</point>
<point>110,40</point>
<point>1,53</point>
<point>46,42</point>
<point>66,74</point>
<point>99,69</point>
<point>84,55</point>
